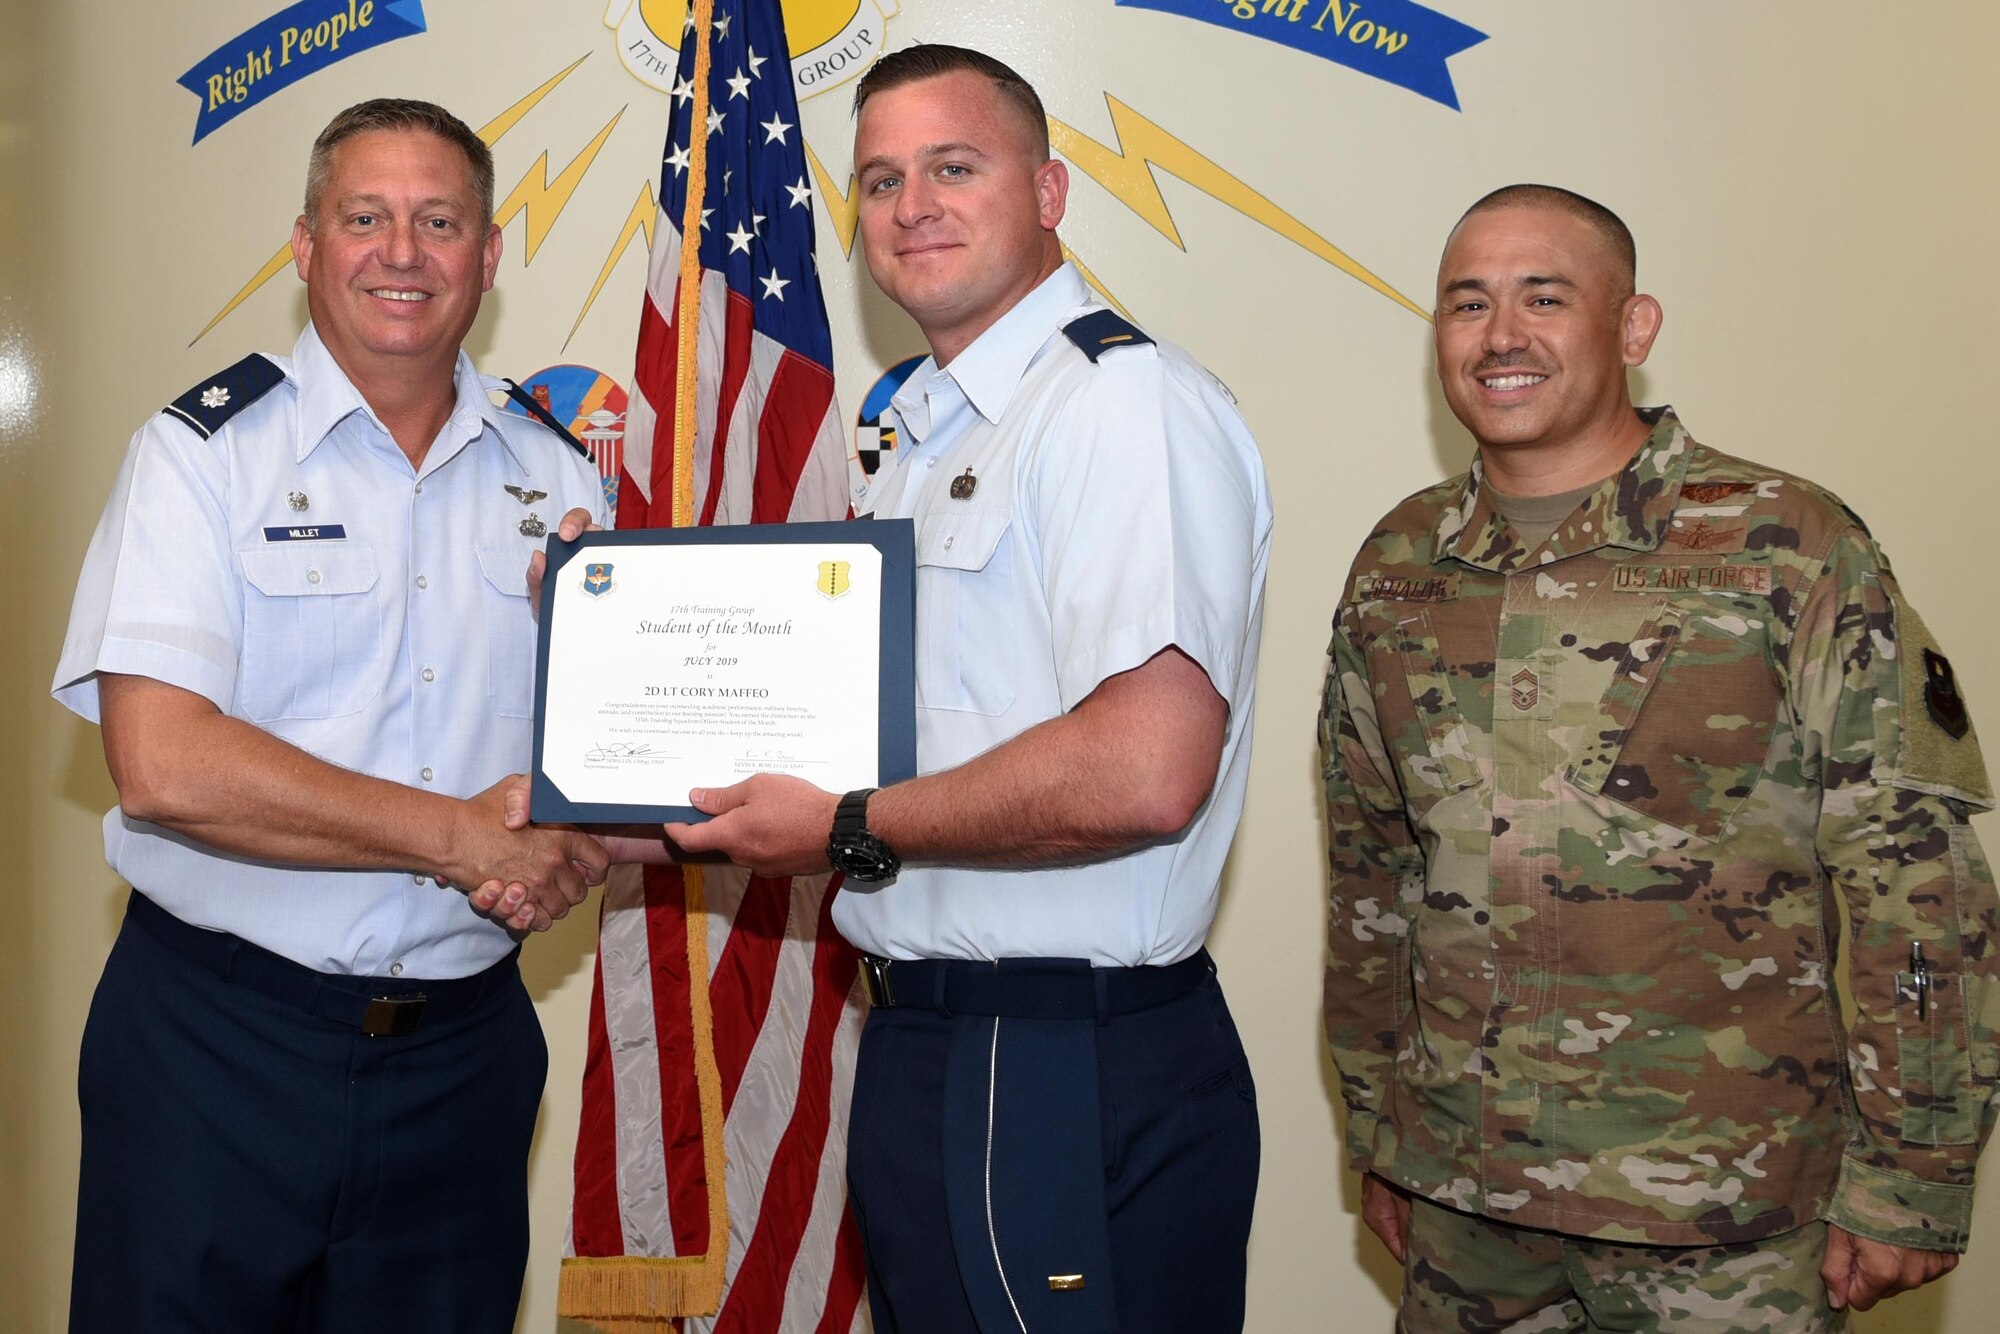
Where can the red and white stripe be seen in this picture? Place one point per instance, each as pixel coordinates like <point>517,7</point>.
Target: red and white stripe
<point>768,443</point>
<point>782,984</point>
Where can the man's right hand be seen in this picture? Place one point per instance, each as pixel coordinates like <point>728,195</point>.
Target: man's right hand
<point>547,870</point>
<point>1385,1208</point>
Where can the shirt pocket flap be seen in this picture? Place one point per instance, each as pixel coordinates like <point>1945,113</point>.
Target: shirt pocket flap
<point>1416,705</point>
<point>308,571</point>
<point>961,539</point>
<point>1618,714</point>
<point>506,568</point>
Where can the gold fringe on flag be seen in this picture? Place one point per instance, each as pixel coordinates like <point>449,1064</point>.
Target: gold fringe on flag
<point>642,1294</point>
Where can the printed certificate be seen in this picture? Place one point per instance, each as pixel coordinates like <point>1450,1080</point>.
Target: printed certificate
<point>676,658</point>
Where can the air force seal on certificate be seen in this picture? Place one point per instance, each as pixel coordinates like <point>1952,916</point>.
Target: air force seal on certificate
<point>834,579</point>
<point>597,579</point>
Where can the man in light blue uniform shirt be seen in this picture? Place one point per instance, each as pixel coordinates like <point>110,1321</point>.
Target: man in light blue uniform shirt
<point>311,1071</point>
<point>1054,1126</point>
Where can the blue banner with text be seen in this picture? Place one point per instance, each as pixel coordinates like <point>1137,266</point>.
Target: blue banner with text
<point>288,46</point>
<point>1395,40</point>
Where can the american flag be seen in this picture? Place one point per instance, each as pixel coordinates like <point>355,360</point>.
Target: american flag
<point>710,1159</point>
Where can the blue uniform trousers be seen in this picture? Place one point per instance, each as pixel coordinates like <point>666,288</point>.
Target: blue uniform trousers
<point>963,1203</point>
<point>250,1167</point>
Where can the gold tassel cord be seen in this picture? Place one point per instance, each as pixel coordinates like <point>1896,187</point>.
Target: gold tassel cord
<point>642,1294</point>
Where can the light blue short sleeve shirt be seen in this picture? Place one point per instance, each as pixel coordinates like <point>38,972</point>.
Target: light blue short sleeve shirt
<point>296,571</point>
<point>1104,512</point>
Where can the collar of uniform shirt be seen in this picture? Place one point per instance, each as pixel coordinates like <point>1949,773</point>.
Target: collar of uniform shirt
<point>989,370</point>
<point>327,398</point>
<point>507,426</point>
<point>1473,532</point>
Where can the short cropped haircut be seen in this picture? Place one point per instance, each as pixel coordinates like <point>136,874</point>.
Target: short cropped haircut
<point>1601,219</point>
<point>399,113</point>
<point>928,60</point>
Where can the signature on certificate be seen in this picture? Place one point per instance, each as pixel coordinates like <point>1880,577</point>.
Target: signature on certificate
<point>618,750</point>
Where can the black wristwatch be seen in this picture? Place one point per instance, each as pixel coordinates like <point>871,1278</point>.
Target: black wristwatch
<point>853,851</point>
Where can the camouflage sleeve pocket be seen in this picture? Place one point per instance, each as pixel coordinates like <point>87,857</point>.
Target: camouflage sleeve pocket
<point>1941,1103</point>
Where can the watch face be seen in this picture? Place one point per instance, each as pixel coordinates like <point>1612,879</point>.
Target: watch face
<point>863,860</point>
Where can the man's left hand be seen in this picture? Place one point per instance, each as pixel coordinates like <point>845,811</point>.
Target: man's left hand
<point>1860,1272</point>
<point>770,823</point>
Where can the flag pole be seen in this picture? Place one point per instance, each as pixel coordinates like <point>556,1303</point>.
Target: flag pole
<point>687,314</point>
<point>706,1291</point>
<point>624,1295</point>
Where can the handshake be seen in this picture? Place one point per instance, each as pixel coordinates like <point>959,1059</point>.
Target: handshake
<point>527,876</point>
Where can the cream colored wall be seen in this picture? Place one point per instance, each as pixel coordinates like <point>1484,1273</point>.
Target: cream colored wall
<point>1810,185</point>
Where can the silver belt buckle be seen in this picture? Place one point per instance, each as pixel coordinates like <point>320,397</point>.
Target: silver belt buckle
<point>392,1016</point>
<point>875,981</point>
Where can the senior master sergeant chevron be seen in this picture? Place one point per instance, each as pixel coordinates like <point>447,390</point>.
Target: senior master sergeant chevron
<point>1613,722</point>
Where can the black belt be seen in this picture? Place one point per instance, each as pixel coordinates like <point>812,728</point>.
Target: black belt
<point>378,1006</point>
<point>1028,988</point>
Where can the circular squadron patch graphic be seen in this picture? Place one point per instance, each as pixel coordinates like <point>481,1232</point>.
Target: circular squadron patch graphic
<point>592,405</point>
<point>832,41</point>
<point>874,429</point>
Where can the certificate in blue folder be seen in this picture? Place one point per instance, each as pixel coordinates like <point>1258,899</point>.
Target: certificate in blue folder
<point>676,658</point>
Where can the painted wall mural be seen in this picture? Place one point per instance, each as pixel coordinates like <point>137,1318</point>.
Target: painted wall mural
<point>838,40</point>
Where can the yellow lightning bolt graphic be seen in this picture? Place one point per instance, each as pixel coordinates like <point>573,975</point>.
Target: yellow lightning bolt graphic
<point>545,202</point>
<point>492,133</point>
<point>1127,172</point>
<point>1091,278</point>
<point>644,210</point>
<point>842,206</point>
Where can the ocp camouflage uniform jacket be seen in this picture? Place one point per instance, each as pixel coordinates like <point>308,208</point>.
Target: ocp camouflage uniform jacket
<point>1584,808</point>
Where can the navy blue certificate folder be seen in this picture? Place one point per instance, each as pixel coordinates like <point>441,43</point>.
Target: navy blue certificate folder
<point>896,739</point>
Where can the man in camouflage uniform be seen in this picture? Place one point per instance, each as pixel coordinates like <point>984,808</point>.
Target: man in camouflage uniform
<point>1616,723</point>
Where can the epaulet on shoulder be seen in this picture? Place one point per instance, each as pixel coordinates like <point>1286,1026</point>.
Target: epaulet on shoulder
<point>208,405</point>
<point>1102,330</point>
